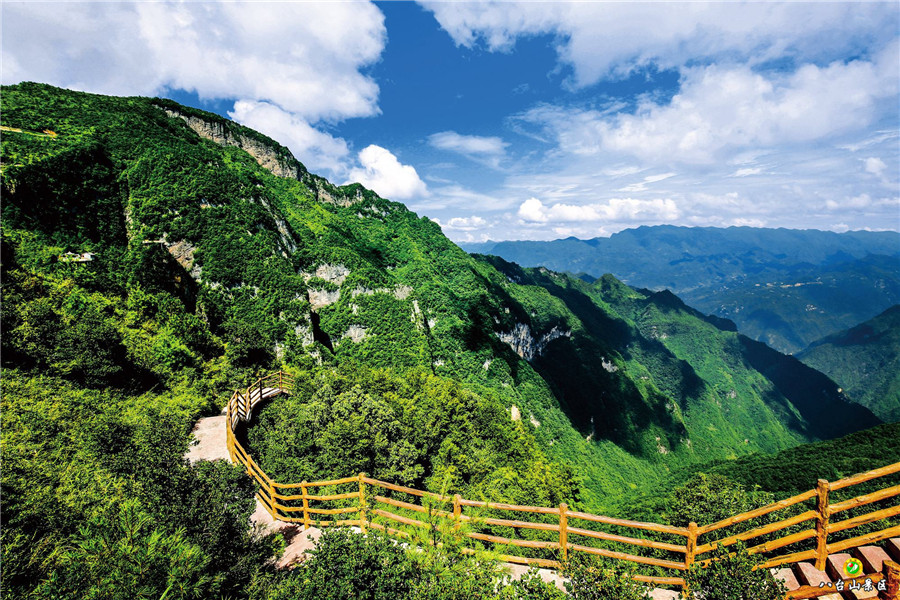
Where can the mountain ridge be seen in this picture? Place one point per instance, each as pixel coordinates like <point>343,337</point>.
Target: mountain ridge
<point>782,286</point>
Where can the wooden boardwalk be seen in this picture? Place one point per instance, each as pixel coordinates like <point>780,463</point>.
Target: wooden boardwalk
<point>807,524</point>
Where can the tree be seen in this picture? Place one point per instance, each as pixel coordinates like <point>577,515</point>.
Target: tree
<point>733,575</point>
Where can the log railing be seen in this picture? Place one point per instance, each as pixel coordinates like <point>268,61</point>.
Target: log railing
<point>545,536</point>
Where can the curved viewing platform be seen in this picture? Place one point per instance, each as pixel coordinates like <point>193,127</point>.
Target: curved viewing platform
<point>810,527</point>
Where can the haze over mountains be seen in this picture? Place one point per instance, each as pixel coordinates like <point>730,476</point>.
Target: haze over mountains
<point>784,287</point>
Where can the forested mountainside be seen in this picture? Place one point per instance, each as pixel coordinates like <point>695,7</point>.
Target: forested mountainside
<point>156,256</point>
<point>865,361</point>
<point>783,287</point>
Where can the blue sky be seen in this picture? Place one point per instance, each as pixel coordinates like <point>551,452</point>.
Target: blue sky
<point>526,121</point>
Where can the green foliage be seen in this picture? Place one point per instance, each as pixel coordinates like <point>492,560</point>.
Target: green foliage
<point>121,556</point>
<point>91,478</point>
<point>208,269</point>
<point>419,430</point>
<point>706,499</point>
<point>732,576</point>
<point>373,567</point>
<point>348,565</point>
<point>530,587</point>
<point>600,579</point>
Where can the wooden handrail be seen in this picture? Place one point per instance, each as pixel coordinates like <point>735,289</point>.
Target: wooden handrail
<point>281,504</point>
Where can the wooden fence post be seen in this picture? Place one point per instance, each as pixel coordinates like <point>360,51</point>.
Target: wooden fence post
<point>892,579</point>
<point>272,501</point>
<point>564,531</point>
<point>305,505</point>
<point>690,551</point>
<point>280,380</point>
<point>822,488</point>
<point>362,503</point>
<point>691,545</point>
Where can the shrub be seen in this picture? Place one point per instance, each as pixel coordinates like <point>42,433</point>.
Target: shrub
<point>593,579</point>
<point>530,587</point>
<point>349,565</point>
<point>709,498</point>
<point>731,576</point>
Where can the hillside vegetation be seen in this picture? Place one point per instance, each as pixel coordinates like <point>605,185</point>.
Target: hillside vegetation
<point>156,256</point>
<point>783,287</point>
<point>865,361</point>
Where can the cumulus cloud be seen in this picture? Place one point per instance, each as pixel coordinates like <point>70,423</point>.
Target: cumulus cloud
<point>599,39</point>
<point>720,111</point>
<point>316,149</point>
<point>487,150</point>
<point>875,166</point>
<point>615,209</point>
<point>304,57</point>
<point>290,65</point>
<point>383,173</point>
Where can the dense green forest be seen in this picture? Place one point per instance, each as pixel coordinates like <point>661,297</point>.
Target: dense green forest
<point>783,287</point>
<point>155,257</point>
<point>865,360</point>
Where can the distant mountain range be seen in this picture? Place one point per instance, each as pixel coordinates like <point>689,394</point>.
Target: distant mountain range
<point>865,360</point>
<point>784,287</point>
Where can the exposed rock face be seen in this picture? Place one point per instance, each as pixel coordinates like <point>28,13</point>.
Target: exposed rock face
<point>608,366</point>
<point>335,274</point>
<point>265,155</point>
<point>319,298</point>
<point>400,293</point>
<point>183,252</point>
<point>355,333</point>
<point>525,345</point>
<point>515,414</point>
<point>277,161</point>
<point>305,333</point>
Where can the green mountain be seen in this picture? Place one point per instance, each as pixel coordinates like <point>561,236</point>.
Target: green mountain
<point>157,256</point>
<point>209,241</point>
<point>783,287</point>
<point>865,361</point>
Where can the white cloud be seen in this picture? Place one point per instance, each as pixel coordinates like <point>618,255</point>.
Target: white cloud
<point>875,166</point>
<point>747,171</point>
<point>612,38</point>
<point>304,57</point>
<point>465,223</point>
<point>642,185</point>
<point>383,173</point>
<point>722,111</point>
<point>487,150</point>
<point>314,148</point>
<point>291,65</point>
<point>615,209</point>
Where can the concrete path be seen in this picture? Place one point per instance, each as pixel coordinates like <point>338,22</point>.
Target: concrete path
<point>210,443</point>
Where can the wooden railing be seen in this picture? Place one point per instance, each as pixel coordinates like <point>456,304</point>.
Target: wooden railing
<point>537,532</point>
